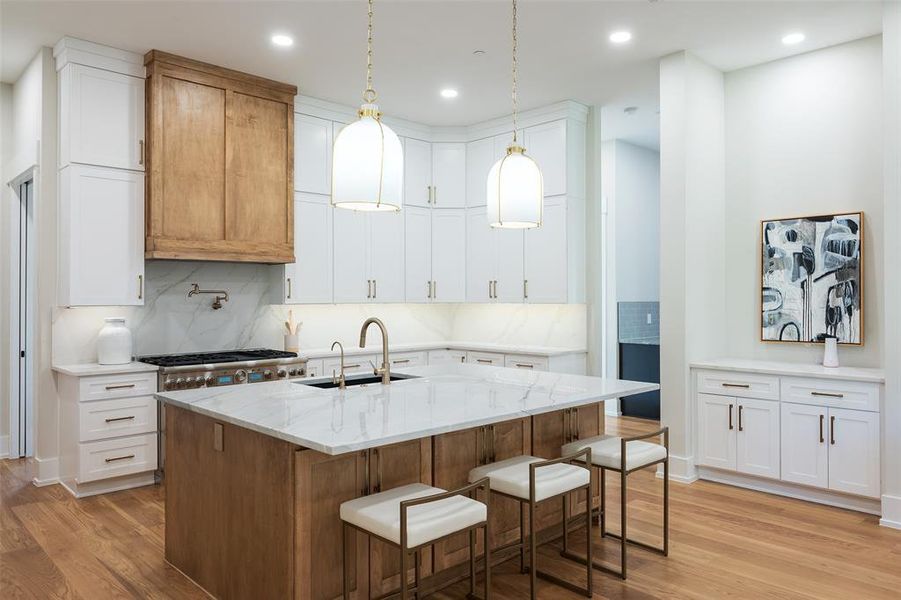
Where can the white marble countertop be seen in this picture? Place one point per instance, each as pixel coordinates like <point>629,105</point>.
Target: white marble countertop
<point>792,369</point>
<point>84,370</point>
<point>376,348</point>
<point>440,399</point>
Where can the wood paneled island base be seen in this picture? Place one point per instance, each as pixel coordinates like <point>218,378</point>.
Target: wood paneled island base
<point>252,516</point>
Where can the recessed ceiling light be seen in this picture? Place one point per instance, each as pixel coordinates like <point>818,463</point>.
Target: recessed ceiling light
<point>478,52</point>
<point>793,38</point>
<point>630,110</point>
<point>282,40</point>
<point>449,93</point>
<point>620,37</point>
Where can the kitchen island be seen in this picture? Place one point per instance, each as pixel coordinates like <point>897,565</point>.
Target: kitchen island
<point>255,473</point>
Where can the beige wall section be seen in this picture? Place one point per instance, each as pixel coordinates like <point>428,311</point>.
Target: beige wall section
<point>803,136</point>
<point>6,197</point>
<point>692,266</point>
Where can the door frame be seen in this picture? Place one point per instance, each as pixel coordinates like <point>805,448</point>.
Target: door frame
<point>17,420</point>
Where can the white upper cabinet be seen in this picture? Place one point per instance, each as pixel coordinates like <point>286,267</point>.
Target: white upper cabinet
<point>854,452</point>
<point>101,118</point>
<point>546,144</point>
<point>481,250</point>
<point>449,175</point>
<point>480,157</point>
<point>351,248</point>
<point>509,281</point>
<point>448,255</point>
<point>418,252</point>
<point>101,236</point>
<point>417,173</point>
<point>386,256</point>
<point>308,280</point>
<point>312,155</point>
<point>546,255</point>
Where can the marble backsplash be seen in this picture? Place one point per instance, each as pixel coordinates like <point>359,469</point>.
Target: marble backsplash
<point>171,322</point>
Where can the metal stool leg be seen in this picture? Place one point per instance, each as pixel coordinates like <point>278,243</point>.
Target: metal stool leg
<point>603,516</point>
<point>344,591</point>
<point>666,507</point>
<point>417,557</point>
<point>533,551</point>
<point>566,523</point>
<point>522,538</point>
<point>589,562</point>
<point>623,520</point>
<point>403,573</point>
<point>472,563</point>
<point>487,562</point>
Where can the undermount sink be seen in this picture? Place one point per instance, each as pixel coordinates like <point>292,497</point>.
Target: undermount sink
<point>356,381</point>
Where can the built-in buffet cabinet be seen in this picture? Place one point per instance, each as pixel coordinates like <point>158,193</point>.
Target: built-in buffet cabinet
<point>440,248</point>
<point>808,429</point>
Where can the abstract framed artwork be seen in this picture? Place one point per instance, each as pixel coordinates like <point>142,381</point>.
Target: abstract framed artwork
<point>812,279</point>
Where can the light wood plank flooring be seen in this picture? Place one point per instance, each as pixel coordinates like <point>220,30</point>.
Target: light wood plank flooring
<point>725,543</point>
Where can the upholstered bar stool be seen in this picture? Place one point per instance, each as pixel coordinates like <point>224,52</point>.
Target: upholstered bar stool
<point>414,516</point>
<point>625,456</point>
<point>532,481</point>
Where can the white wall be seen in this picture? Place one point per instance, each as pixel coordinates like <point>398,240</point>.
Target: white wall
<point>692,211</point>
<point>636,196</point>
<point>6,197</point>
<point>803,136</point>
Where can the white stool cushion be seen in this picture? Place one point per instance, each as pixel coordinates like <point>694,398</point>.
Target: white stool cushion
<point>605,450</point>
<point>511,477</point>
<point>380,514</point>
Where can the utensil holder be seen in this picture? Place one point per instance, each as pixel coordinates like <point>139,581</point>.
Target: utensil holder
<point>291,342</point>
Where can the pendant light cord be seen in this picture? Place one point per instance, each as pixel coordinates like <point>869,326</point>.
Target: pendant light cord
<point>369,95</point>
<point>514,71</point>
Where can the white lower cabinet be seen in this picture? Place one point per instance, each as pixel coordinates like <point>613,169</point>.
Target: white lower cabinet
<point>491,359</point>
<point>444,357</point>
<point>716,431</point>
<point>757,438</point>
<point>854,452</point>
<point>805,452</point>
<point>101,236</point>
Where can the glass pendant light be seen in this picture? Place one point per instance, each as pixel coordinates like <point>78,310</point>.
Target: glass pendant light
<point>367,158</point>
<point>515,185</point>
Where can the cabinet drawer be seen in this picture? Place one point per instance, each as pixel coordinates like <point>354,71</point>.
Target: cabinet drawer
<point>104,387</point>
<point>112,458</point>
<point>854,395</point>
<point>352,364</point>
<point>485,358</point>
<point>741,385</point>
<point>524,361</point>
<point>315,368</point>
<point>443,357</point>
<point>400,360</point>
<point>117,417</point>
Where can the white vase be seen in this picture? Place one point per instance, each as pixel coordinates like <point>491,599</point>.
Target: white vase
<point>114,342</point>
<point>830,353</point>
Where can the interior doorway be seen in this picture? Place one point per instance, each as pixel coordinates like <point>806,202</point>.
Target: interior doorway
<point>22,284</point>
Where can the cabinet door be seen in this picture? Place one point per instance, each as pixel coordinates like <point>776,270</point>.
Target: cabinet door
<point>386,256</point>
<point>449,255</point>
<point>509,286</point>
<point>309,278</point>
<point>481,256</point>
<point>446,357</point>
<point>758,438</point>
<point>390,467</point>
<point>854,452</point>
<point>102,116</point>
<point>455,455</point>
<point>102,236</point>
<point>417,173</point>
<point>546,273</point>
<point>323,482</point>
<point>548,437</point>
<point>508,439</point>
<point>716,431</point>
<point>480,157</point>
<point>418,252</point>
<point>350,255</point>
<point>804,448</point>
<point>546,144</point>
<point>312,155</point>
<point>449,175</point>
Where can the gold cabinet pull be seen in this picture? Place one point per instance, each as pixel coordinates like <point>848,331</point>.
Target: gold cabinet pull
<point>435,195</point>
<point>120,386</point>
<point>525,289</point>
<point>428,189</point>
<point>434,290</point>
<point>525,366</point>
<point>140,287</point>
<point>115,458</point>
<point>575,420</point>
<point>141,156</point>
<point>740,411</point>
<point>369,288</point>
<point>429,287</point>
<point>730,418</point>
<point>114,419</point>
<point>288,281</point>
<point>375,288</point>
<point>832,430</point>
<point>365,490</point>
<point>827,394</point>
<point>822,418</point>
<point>484,361</point>
<point>378,470</point>
<point>744,386</point>
<point>401,361</point>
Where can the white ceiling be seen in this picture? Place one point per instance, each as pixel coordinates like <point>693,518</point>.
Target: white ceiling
<point>422,46</point>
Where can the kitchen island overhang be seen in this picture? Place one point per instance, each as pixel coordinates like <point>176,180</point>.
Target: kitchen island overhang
<point>255,474</point>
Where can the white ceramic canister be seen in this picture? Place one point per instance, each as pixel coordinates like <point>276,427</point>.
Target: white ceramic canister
<point>830,352</point>
<point>114,342</point>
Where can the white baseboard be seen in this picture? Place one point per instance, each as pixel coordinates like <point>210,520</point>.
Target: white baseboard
<point>891,511</point>
<point>681,469</point>
<point>104,486</point>
<point>4,446</point>
<point>611,408</point>
<point>47,471</point>
<point>792,490</point>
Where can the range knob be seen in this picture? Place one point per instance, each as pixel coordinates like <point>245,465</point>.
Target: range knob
<point>293,372</point>
<point>240,375</point>
<point>267,374</point>
<point>208,381</point>
<point>179,383</point>
<point>168,384</point>
<point>282,373</point>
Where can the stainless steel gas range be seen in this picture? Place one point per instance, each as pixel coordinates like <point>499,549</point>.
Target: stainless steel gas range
<point>213,369</point>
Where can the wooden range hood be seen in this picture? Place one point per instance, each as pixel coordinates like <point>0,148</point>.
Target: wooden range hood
<point>220,163</point>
